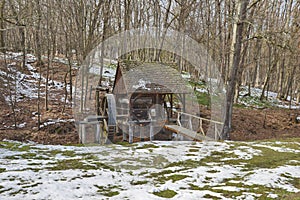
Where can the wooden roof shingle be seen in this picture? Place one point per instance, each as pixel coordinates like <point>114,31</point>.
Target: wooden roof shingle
<point>150,78</point>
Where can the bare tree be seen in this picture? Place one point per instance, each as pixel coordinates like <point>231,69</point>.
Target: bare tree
<point>235,68</point>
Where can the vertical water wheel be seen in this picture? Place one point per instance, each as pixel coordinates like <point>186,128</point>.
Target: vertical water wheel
<point>106,108</point>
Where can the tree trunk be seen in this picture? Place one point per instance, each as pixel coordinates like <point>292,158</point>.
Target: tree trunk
<point>38,50</point>
<point>2,27</point>
<point>234,72</point>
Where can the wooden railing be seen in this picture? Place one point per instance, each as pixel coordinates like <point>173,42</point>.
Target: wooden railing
<point>201,119</point>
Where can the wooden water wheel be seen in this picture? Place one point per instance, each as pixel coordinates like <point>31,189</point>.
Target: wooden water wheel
<point>106,108</point>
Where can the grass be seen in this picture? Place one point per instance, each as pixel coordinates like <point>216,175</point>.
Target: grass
<point>213,171</point>
<point>25,156</point>
<point>14,146</point>
<point>78,164</point>
<point>186,164</point>
<point>190,154</point>
<point>291,196</point>
<point>208,196</point>
<point>126,144</point>
<point>160,173</point>
<point>108,191</point>
<point>203,98</point>
<point>66,153</point>
<point>165,193</point>
<point>194,187</point>
<point>146,146</point>
<point>267,159</point>
<point>264,191</point>
<point>161,178</point>
<point>270,159</point>
<point>138,182</point>
<point>176,177</point>
<point>88,175</point>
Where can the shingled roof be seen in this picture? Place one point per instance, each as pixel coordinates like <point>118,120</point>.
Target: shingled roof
<point>149,78</point>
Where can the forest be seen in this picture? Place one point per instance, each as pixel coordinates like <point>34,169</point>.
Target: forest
<point>68,66</point>
<point>254,43</point>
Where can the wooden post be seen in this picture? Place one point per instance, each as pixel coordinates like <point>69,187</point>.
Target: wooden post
<point>171,104</point>
<point>97,134</point>
<point>157,111</point>
<point>80,133</point>
<point>124,134</point>
<point>83,133</point>
<point>183,103</point>
<point>97,102</point>
<point>130,133</point>
<point>101,125</point>
<point>190,123</point>
<point>216,134</point>
<point>201,127</point>
<point>151,131</point>
<point>142,129</point>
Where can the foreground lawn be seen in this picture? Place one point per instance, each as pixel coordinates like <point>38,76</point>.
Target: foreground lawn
<point>158,170</point>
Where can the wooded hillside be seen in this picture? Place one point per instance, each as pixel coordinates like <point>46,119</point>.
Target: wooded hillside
<point>262,53</point>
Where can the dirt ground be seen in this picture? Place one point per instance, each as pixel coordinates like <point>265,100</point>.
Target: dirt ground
<point>248,123</point>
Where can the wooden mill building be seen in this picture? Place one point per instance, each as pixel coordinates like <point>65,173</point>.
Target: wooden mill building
<point>147,94</point>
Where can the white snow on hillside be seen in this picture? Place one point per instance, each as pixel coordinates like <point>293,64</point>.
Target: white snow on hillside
<point>255,95</point>
<point>25,85</point>
<point>272,98</point>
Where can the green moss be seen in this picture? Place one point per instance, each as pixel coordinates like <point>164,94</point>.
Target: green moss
<point>159,173</point>
<point>271,158</point>
<point>218,158</point>
<point>126,144</point>
<point>256,189</point>
<point>146,146</point>
<point>176,177</point>
<point>88,175</point>
<point>194,187</point>
<point>287,140</point>
<point>31,186</point>
<point>186,164</point>
<point>109,190</point>
<point>213,171</point>
<point>228,194</point>
<point>144,173</point>
<point>111,193</point>
<point>283,144</point>
<point>165,193</point>
<point>208,196</point>
<point>14,146</point>
<point>295,182</point>
<point>138,182</point>
<point>2,170</point>
<point>66,153</point>
<point>193,150</point>
<point>6,190</point>
<point>291,196</point>
<point>78,164</point>
<point>203,98</point>
<point>190,154</point>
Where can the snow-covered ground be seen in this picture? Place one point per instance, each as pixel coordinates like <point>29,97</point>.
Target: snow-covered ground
<point>254,101</point>
<point>183,170</point>
<point>24,85</point>
<point>272,98</point>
